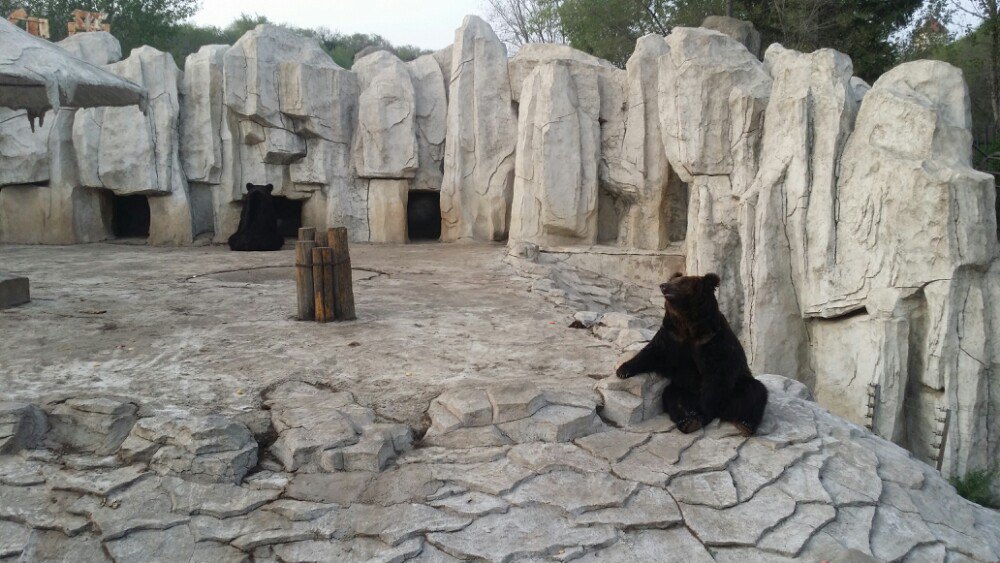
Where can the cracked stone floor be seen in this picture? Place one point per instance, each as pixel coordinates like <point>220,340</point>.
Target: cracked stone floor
<point>135,321</point>
<point>151,415</point>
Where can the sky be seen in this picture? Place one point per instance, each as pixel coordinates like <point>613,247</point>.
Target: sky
<point>429,24</point>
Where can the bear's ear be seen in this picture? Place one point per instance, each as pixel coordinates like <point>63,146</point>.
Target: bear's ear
<point>676,275</point>
<point>269,188</point>
<point>712,281</point>
<point>249,186</point>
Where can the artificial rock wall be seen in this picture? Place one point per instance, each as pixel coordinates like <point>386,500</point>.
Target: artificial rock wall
<point>856,244</point>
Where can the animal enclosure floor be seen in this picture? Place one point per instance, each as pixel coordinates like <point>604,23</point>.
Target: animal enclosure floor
<point>207,329</point>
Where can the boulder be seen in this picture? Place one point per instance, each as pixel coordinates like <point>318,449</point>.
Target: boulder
<point>532,55</point>
<point>555,183</point>
<point>385,145</point>
<point>477,188</point>
<point>259,66</point>
<point>24,148</point>
<point>712,141</point>
<point>860,88</point>
<point>915,242</point>
<point>24,153</point>
<point>203,449</point>
<point>432,121</point>
<point>14,290</point>
<point>97,48</point>
<point>324,431</point>
<point>742,31</point>
<point>64,212</point>
<point>91,424</point>
<point>22,426</point>
<point>933,214</point>
<point>114,152</point>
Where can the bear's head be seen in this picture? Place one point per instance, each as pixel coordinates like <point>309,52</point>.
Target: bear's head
<point>691,297</point>
<point>256,188</point>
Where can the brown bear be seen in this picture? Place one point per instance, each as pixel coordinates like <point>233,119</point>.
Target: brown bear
<point>698,351</point>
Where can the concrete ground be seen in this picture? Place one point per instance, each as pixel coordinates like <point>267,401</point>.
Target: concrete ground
<point>207,329</point>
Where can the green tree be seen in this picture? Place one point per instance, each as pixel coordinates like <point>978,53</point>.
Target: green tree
<point>609,30</point>
<point>133,22</point>
<point>986,12</point>
<point>527,21</point>
<point>864,29</point>
<point>339,46</point>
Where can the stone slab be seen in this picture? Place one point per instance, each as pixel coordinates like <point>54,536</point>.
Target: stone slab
<point>14,291</point>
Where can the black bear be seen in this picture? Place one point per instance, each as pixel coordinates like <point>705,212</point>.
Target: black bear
<point>698,351</point>
<point>258,228</point>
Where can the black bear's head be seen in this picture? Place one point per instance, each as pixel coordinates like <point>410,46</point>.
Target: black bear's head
<point>692,297</point>
<point>256,188</point>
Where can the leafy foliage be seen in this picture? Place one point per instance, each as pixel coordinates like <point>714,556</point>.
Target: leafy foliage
<point>977,486</point>
<point>133,22</point>
<point>864,29</point>
<point>341,47</point>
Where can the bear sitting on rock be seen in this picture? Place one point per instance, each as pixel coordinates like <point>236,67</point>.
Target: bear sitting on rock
<point>258,228</point>
<point>707,367</point>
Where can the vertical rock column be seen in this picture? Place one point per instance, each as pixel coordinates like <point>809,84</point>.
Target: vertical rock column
<point>482,133</point>
<point>658,216</point>
<point>712,95</point>
<point>203,153</point>
<point>432,121</point>
<point>558,147</point>
<point>385,152</point>
<point>789,213</point>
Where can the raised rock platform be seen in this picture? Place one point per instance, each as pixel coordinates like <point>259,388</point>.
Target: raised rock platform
<point>505,473</point>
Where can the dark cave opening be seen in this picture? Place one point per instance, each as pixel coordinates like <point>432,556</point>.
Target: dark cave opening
<point>423,215</point>
<point>130,216</point>
<point>289,214</point>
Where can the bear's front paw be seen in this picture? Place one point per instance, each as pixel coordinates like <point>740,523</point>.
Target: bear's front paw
<point>746,430</point>
<point>690,424</point>
<point>624,371</point>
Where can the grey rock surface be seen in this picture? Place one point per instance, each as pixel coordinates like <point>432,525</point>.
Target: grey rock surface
<point>479,161</point>
<point>810,485</point>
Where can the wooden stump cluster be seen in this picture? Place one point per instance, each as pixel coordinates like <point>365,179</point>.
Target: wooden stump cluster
<point>323,275</point>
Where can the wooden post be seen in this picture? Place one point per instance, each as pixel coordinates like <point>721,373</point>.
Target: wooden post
<point>321,240</point>
<point>329,296</point>
<point>343,282</point>
<point>307,233</point>
<point>322,314</point>
<point>304,279</point>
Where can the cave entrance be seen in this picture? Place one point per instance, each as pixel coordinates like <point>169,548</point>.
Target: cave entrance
<point>289,215</point>
<point>130,216</point>
<point>423,215</point>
